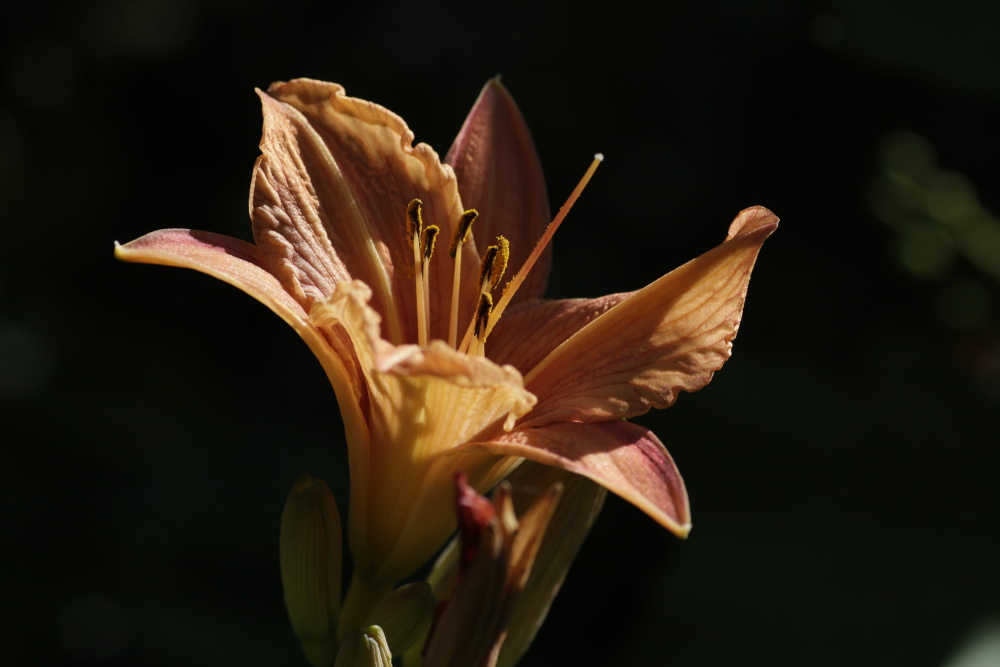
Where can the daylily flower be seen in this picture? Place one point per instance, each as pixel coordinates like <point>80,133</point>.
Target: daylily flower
<point>345,211</point>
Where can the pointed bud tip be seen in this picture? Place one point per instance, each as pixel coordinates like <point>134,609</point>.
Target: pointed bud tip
<point>366,647</point>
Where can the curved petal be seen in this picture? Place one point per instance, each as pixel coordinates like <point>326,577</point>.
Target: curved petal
<point>239,264</point>
<point>499,175</point>
<point>423,402</point>
<point>669,336</point>
<point>527,333</point>
<point>291,224</point>
<point>337,173</point>
<point>624,458</point>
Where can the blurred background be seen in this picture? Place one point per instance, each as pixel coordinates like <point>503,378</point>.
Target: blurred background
<point>843,468</point>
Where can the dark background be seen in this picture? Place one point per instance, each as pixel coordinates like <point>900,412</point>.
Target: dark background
<point>843,468</point>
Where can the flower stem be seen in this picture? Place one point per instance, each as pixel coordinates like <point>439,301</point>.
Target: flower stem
<point>362,598</point>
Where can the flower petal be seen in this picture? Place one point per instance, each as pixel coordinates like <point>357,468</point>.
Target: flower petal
<point>499,174</point>
<point>669,336</point>
<point>239,264</point>
<point>624,458</point>
<point>424,402</point>
<point>337,173</point>
<point>528,332</point>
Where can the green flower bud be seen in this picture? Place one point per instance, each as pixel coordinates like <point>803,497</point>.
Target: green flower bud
<point>365,647</point>
<point>405,615</point>
<point>311,553</point>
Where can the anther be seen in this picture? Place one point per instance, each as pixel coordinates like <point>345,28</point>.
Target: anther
<point>462,231</point>
<point>414,220</point>
<point>483,316</point>
<point>430,236</point>
<point>500,263</point>
<point>486,268</point>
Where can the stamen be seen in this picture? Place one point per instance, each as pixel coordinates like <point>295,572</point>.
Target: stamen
<point>414,219</point>
<point>414,228</point>
<point>430,235</point>
<point>477,346</point>
<point>491,270</point>
<point>519,277</point>
<point>486,268</point>
<point>461,234</point>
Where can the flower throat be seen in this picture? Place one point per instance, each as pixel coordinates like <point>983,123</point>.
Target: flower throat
<point>492,268</point>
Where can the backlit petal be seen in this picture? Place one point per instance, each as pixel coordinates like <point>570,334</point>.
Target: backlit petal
<point>499,175</point>
<point>669,336</point>
<point>424,403</point>
<point>528,332</point>
<point>239,264</point>
<point>625,458</point>
<point>337,173</point>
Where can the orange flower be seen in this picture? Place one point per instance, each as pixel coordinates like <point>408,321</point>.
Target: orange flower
<point>342,256</point>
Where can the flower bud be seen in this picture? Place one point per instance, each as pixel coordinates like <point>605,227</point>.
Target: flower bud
<point>495,557</point>
<point>365,647</point>
<point>311,553</point>
<point>578,507</point>
<point>405,615</point>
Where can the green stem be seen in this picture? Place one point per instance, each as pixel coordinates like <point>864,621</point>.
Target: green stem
<point>362,598</point>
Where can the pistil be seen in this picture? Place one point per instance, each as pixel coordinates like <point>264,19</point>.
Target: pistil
<point>522,273</point>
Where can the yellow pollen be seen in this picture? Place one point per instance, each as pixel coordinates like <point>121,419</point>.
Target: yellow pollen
<point>500,263</point>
